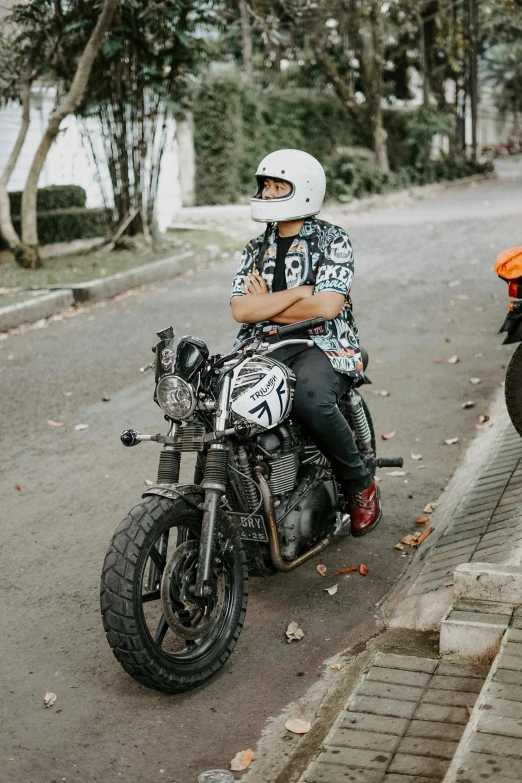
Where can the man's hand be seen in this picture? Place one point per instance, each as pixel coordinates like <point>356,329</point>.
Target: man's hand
<point>255,284</point>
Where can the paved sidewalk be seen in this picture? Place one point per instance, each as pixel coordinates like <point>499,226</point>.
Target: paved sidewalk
<point>401,725</point>
<point>484,526</point>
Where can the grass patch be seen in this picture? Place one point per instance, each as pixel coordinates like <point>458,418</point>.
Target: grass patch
<point>81,267</point>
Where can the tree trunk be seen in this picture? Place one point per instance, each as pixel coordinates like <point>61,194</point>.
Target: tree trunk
<point>66,106</point>
<point>374,86</point>
<point>6,224</point>
<point>246,36</point>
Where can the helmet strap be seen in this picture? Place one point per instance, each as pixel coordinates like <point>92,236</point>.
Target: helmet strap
<point>258,263</point>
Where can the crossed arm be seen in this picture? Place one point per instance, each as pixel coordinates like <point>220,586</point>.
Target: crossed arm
<point>283,307</point>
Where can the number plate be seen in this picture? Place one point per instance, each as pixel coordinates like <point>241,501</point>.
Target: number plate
<point>251,526</point>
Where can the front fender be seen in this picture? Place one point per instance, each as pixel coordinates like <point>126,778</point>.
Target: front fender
<point>176,491</point>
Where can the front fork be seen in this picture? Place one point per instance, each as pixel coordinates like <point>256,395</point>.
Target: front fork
<point>214,484</point>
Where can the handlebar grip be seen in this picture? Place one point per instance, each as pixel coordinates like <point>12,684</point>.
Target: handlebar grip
<point>398,462</point>
<point>301,326</point>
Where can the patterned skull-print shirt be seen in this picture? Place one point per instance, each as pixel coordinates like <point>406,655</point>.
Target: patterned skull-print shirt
<point>322,256</point>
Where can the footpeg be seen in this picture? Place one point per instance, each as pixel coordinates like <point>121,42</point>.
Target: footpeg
<point>372,463</point>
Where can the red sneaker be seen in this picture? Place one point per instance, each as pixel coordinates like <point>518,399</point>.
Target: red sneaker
<point>365,510</point>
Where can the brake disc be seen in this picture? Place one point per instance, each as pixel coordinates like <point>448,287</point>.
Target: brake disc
<point>199,615</point>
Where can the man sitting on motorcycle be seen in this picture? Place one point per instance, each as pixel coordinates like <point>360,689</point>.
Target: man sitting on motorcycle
<point>301,268</point>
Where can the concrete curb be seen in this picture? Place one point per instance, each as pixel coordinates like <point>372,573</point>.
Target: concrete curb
<point>105,287</point>
<point>34,309</point>
<point>424,611</point>
<point>102,288</point>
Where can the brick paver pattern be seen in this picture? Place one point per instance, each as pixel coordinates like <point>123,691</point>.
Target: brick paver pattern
<point>486,526</point>
<point>402,724</point>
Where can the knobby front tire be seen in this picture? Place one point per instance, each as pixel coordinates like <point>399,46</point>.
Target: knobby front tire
<point>131,607</point>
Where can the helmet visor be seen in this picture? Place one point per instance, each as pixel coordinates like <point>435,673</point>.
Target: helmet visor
<point>261,179</point>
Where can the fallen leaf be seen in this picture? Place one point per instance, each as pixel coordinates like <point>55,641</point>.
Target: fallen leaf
<point>450,441</point>
<point>397,473</point>
<point>422,521</point>
<point>447,339</point>
<point>453,283</point>
<point>346,570</point>
<point>67,394</point>
<point>478,356</point>
<point>298,726</point>
<point>294,633</point>
<point>410,539</point>
<point>18,487</point>
<point>485,426</point>
<point>321,569</point>
<point>502,384</point>
<point>149,483</point>
<point>453,359</point>
<point>377,479</point>
<point>483,419</point>
<point>107,399</point>
<point>54,423</point>
<point>331,590</point>
<point>424,535</point>
<point>416,456</point>
<point>364,570</point>
<point>388,435</point>
<point>399,546</point>
<point>381,392</point>
<point>10,357</point>
<point>49,699</point>
<point>80,427</point>
<point>421,467</point>
<point>468,404</point>
<point>430,508</point>
<point>474,381</point>
<point>336,667</point>
<point>241,760</point>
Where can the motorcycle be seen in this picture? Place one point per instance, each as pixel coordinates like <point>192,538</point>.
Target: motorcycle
<point>513,327</point>
<point>264,500</point>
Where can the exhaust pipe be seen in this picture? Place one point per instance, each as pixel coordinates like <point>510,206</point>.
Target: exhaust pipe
<point>273,537</point>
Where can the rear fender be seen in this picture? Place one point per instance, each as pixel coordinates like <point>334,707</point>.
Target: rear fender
<point>513,326</point>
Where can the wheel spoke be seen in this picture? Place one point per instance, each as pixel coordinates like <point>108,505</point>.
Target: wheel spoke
<point>154,595</point>
<point>161,630</point>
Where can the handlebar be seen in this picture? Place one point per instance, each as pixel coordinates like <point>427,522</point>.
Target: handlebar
<point>300,326</point>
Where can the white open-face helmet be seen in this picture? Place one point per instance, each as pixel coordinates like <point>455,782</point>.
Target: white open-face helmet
<point>307,178</point>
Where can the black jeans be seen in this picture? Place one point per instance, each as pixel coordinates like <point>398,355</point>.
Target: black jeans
<point>316,398</point>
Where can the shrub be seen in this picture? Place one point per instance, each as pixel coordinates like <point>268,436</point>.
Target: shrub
<point>347,180</point>
<point>53,197</point>
<point>236,125</point>
<point>64,225</point>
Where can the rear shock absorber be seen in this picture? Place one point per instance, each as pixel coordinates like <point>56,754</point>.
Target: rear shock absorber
<point>360,422</point>
<point>248,484</point>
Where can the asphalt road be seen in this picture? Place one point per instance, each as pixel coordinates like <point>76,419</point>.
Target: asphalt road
<point>77,485</point>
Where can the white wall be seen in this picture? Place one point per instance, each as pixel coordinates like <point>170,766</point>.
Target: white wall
<point>68,161</point>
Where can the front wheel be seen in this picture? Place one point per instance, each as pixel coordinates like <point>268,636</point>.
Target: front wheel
<point>514,389</point>
<point>163,636</point>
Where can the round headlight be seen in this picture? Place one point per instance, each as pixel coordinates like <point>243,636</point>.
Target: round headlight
<point>175,397</point>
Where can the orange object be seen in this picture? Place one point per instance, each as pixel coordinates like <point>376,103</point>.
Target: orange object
<point>508,265</point>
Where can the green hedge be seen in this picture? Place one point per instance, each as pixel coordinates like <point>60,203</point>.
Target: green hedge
<point>53,197</point>
<point>235,126</point>
<point>64,225</point>
<point>348,180</point>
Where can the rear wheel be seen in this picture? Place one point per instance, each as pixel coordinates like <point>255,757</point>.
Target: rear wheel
<point>162,635</point>
<point>514,389</point>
